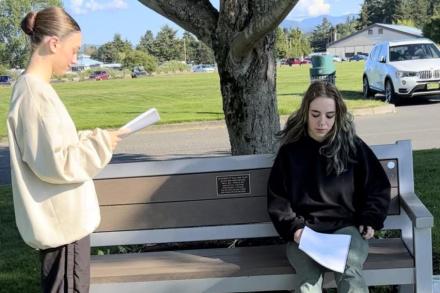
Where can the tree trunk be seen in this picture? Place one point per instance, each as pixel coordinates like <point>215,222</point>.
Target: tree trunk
<point>241,35</point>
<point>248,87</point>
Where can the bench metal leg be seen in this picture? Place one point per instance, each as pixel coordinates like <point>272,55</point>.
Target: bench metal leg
<point>423,259</point>
<point>406,289</point>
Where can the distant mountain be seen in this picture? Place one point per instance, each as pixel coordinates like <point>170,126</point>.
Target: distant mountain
<point>307,25</point>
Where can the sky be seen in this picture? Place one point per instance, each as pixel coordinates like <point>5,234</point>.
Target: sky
<point>100,20</point>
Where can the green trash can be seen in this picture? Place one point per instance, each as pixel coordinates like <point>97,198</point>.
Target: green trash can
<point>323,68</point>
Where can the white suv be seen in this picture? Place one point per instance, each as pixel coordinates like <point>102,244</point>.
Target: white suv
<point>403,69</point>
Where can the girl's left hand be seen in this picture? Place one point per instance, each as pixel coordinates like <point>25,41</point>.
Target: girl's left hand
<point>116,136</point>
<point>366,232</point>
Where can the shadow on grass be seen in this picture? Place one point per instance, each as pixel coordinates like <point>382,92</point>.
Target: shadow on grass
<point>5,169</point>
<point>352,95</point>
<point>348,95</point>
<point>19,264</point>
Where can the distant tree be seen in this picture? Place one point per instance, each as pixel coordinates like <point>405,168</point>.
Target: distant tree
<point>3,55</point>
<point>114,51</point>
<point>406,22</point>
<point>321,36</point>
<point>146,43</point>
<point>432,29</point>
<point>121,46</point>
<point>196,52</point>
<point>167,46</point>
<point>3,69</point>
<point>14,51</point>
<point>203,54</point>
<point>88,49</point>
<point>298,45</point>
<point>347,28</point>
<point>392,11</point>
<point>281,43</point>
<point>106,53</point>
<point>371,12</point>
<point>417,10</point>
<point>140,58</point>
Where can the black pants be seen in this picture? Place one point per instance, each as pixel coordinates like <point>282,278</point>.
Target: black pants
<point>66,269</point>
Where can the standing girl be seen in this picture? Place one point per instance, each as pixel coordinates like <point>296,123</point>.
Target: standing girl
<point>326,178</point>
<point>56,207</point>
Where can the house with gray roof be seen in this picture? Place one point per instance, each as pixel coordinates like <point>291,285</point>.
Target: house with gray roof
<point>85,62</point>
<point>364,40</point>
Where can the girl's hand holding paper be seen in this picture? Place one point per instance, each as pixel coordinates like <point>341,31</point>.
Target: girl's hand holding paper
<point>145,119</point>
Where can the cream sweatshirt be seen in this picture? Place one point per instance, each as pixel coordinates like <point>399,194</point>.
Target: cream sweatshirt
<point>52,166</point>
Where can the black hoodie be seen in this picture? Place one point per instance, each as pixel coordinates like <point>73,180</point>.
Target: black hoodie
<point>301,193</point>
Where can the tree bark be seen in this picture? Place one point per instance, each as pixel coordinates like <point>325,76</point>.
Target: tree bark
<point>241,35</point>
<point>248,87</point>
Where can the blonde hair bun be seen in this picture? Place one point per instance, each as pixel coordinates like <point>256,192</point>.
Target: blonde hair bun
<point>28,23</point>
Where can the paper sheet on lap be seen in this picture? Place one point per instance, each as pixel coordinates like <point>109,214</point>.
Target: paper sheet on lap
<point>329,250</point>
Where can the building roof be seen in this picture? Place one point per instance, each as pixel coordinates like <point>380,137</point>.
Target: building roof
<point>403,28</point>
<point>406,30</point>
<point>86,61</point>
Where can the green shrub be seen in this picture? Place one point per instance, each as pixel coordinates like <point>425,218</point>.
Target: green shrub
<point>3,69</point>
<point>173,66</point>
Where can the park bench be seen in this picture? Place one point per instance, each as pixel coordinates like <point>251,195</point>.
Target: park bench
<point>218,198</point>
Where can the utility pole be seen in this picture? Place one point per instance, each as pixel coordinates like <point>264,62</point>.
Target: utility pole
<point>184,48</point>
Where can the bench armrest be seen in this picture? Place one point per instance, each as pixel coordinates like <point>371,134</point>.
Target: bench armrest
<point>417,211</point>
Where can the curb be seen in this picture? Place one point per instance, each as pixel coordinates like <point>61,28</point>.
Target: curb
<point>389,108</point>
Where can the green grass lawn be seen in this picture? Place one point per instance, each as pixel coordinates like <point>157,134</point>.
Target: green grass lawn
<point>181,97</point>
<point>19,266</point>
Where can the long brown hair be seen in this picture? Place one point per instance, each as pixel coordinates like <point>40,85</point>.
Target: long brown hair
<point>51,21</point>
<point>339,146</point>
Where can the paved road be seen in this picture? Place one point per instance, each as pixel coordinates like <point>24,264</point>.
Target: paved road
<point>418,122</point>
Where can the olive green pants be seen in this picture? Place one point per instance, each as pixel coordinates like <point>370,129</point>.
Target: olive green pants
<point>310,273</point>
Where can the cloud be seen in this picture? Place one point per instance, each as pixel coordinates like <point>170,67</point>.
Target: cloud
<point>85,6</point>
<point>309,8</point>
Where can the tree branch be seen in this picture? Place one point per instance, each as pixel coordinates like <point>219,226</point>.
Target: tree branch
<point>196,16</point>
<point>259,26</point>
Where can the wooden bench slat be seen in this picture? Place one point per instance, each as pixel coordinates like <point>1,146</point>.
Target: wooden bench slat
<point>222,262</point>
<point>154,189</point>
<point>184,214</point>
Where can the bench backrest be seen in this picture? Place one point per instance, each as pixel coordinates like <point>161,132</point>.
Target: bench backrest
<point>207,198</point>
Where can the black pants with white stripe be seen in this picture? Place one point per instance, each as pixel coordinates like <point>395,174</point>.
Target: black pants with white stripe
<point>66,269</point>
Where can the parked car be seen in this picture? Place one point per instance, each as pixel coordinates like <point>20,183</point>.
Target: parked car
<point>138,72</point>
<point>203,68</point>
<point>358,57</point>
<point>296,61</point>
<point>336,58</point>
<point>292,61</point>
<point>403,69</point>
<point>99,75</point>
<point>5,80</point>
